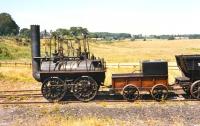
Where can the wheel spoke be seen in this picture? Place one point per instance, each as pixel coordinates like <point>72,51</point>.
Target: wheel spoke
<point>195,89</point>
<point>53,89</point>
<point>156,94</point>
<point>195,92</point>
<point>198,96</point>
<point>159,92</point>
<point>130,92</point>
<point>86,89</point>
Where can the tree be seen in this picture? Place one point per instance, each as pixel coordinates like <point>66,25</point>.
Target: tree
<point>78,31</point>
<point>171,37</point>
<point>84,31</point>
<point>63,32</point>
<point>110,36</point>
<point>25,33</point>
<point>8,25</point>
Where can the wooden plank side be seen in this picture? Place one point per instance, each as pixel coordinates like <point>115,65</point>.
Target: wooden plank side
<point>140,82</point>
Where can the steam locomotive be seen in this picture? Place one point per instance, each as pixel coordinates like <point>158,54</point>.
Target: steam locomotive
<point>76,72</point>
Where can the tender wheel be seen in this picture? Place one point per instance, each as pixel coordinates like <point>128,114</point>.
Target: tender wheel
<point>195,89</point>
<point>85,88</point>
<point>159,92</point>
<point>53,89</point>
<point>130,92</point>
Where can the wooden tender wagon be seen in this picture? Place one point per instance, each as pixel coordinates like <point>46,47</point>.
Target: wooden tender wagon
<point>153,78</point>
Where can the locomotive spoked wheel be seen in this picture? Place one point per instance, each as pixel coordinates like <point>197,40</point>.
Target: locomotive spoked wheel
<point>130,92</point>
<point>195,89</point>
<point>186,89</point>
<point>159,92</point>
<point>85,88</point>
<point>53,89</point>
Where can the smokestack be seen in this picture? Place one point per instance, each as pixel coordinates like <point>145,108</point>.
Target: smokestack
<point>35,50</point>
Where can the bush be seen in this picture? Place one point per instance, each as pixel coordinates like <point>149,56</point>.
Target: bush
<point>132,39</point>
<point>11,51</point>
<point>5,53</point>
<point>171,38</point>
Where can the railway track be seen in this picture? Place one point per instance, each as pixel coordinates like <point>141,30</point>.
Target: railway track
<point>101,97</point>
<point>20,93</point>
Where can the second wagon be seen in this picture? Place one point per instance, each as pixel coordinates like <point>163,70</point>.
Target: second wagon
<point>153,79</point>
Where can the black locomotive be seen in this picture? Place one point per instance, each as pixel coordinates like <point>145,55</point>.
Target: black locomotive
<point>76,72</point>
<point>80,74</point>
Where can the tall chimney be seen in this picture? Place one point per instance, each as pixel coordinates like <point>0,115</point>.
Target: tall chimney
<point>35,50</point>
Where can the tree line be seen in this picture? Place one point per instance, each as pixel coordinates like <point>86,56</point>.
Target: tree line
<point>8,27</point>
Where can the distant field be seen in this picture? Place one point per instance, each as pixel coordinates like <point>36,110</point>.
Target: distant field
<point>117,51</point>
<point>135,51</point>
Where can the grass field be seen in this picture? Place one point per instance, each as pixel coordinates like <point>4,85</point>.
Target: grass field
<point>117,51</point>
<point>135,51</point>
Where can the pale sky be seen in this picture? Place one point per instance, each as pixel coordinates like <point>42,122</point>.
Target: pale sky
<point>131,16</point>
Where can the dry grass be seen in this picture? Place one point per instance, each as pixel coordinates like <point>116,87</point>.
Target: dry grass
<point>12,78</point>
<point>58,120</point>
<point>123,51</point>
<point>16,74</point>
<point>135,51</point>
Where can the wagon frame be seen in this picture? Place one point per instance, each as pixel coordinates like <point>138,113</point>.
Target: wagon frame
<point>131,84</point>
<point>121,83</point>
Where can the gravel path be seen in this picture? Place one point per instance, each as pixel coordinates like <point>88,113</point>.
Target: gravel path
<point>138,113</point>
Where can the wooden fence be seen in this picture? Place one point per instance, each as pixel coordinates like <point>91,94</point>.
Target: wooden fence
<point>15,64</point>
<point>171,65</point>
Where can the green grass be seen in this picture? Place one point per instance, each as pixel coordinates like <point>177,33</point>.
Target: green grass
<point>9,50</point>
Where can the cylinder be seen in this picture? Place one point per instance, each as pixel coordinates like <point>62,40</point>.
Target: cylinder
<point>35,50</point>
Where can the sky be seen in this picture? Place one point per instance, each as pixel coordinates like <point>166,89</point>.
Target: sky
<point>131,16</point>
